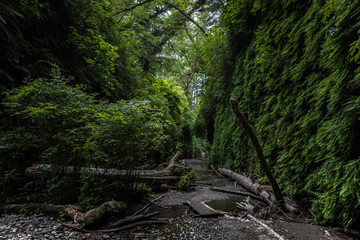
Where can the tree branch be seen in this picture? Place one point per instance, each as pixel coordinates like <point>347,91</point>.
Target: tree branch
<point>132,7</point>
<point>188,17</point>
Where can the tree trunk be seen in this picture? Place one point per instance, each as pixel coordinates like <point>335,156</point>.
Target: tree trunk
<point>245,124</point>
<point>38,170</point>
<point>249,185</point>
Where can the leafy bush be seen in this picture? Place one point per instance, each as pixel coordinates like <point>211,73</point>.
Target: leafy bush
<point>49,121</point>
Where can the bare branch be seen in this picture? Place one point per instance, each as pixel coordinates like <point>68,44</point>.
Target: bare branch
<point>132,7</point>
<point>188,17</point>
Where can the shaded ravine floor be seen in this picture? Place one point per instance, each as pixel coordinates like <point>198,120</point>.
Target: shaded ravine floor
<point>182,222</point>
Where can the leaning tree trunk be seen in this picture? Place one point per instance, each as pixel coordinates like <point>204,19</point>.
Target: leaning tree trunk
<point>245,124</point>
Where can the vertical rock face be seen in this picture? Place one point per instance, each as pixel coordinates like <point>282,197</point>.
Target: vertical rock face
<point>295,72</point>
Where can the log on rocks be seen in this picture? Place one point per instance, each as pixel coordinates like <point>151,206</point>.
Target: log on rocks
<point>97,215</point>
<point>256,189</point>
<point>88,219</point>
<point>249,185</point>
<point>165,175</point>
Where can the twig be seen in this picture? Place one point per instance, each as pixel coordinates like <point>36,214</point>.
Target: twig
<point>282,211</point>
<point>217,171</point>
<point>141,210</point>
<point>245,214</point>
<point>130,219</point>
<point>148,205</point>
<point>156,204</point>
<point>311,213</point>
<point>132,225</point>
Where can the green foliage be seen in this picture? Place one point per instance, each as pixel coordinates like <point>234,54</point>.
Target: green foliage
<point>187,176</point>
<point>295,71</point>
<point>49,121</point>
<point>91,191</point>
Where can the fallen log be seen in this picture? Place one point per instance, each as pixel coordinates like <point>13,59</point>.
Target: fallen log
<point>255,188</point>
<point>38,171</point>
<point>249,185</point>
<point>241,193</point>
<point>88,219</point>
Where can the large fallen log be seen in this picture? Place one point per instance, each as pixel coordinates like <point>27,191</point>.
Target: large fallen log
<point>243,122</point>
<point>38,171</point>
<point>88,219</point>
<point>249,185</point>
<point>254,188</point>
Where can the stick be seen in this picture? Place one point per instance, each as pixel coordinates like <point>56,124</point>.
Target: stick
<point>148,205</point>
<point>130,219</point>
<point>217,171</point>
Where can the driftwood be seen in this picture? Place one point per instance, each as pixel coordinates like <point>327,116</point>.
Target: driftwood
<point>165,175</point>
<point>243,122</point>
<point>87,219</point>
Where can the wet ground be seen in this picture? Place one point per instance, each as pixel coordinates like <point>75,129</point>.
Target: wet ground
<point>184,225</point>
<point>181,221</point>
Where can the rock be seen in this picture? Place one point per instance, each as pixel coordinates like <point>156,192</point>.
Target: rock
<point>72,235</point>
<point>105,236</point>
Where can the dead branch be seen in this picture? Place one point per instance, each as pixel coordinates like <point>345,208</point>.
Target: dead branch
<point>130,219</point>
<point>148,205</point>
<point>132,7</point>
<point>216,171</point>
<point>188,17</point>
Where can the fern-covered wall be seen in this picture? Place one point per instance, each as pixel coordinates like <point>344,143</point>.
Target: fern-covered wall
<point>296,73</point>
